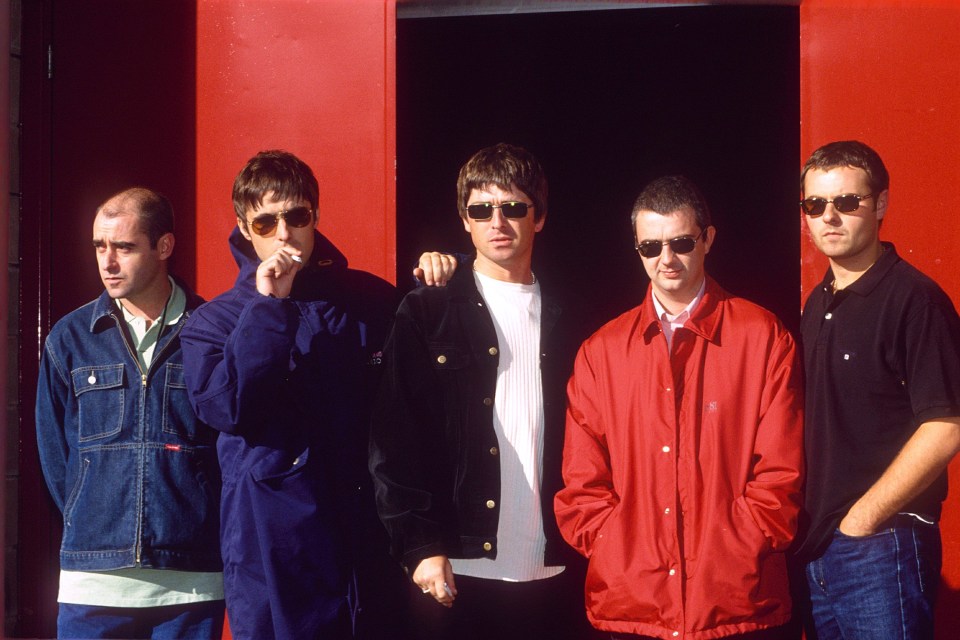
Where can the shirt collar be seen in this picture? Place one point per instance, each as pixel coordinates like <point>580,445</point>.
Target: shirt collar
<point>685,313</point>
<point>176,305</point>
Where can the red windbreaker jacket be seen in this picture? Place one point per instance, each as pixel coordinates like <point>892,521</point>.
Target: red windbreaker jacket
<point>683,470</point>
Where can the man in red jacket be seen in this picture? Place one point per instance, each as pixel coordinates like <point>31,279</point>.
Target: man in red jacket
<point>684,446</point>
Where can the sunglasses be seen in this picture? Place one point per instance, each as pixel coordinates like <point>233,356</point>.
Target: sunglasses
<point>847,203</point>
<point>683,244</point>
<point>484,210</point>
<point>265,223</point>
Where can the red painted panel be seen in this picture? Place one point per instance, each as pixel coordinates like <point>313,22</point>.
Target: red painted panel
<point>316,79</point>
<point>888,72</point>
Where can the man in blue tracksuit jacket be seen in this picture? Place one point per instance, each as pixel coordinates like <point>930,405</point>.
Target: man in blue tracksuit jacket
<point>279,365</point>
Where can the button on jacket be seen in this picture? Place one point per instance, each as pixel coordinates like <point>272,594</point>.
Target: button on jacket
<point>683,470</point>
<point>434,456</point>
<point>129,465</point>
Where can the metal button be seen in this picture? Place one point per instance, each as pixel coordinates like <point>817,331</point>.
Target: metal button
<point>491,504</point>
<point>488,401</point>
<point>492,351</point>
<point>672,571</point>
<point>666,449</point>
<point>494,451</point>
<point>487,546</point>
<point>828,316</point>
<point>441,359</point>
<point>666,511</point>
<point>92,379</point>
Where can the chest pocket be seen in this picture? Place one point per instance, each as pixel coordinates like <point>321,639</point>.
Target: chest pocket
<point>100,397</point>
<point>178,416</point>
<point>446,357</point>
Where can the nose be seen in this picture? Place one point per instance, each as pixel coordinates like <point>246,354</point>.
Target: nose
<point>108,261</point>
<point>830,215</point>
<point>498,220</point>
<point>667,254</point>
<point>283,231</point>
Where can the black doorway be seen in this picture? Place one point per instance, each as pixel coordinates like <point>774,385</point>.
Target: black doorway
<point>609,100</point>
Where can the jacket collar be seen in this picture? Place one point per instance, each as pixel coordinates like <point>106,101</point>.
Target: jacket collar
<point>463,287</point>
<point>324,257</point>
<point>105,307</point>
<point>705,321</point>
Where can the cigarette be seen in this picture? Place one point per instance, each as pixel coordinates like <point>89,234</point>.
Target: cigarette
<point>446,588</point>
<point>297,259</point>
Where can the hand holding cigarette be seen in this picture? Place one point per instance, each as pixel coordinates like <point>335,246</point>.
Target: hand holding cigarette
<point>276,273</point>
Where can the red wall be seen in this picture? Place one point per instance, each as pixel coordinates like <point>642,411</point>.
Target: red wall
<point>888,73</point>
<point>316,79</point>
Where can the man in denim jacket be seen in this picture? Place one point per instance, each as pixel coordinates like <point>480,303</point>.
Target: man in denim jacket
<point>128,463</point>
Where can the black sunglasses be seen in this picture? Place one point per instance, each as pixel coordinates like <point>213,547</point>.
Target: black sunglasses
<point>846,203</point>
<point>683,244</point>
<point>265,223</point>
<point>484,210</point>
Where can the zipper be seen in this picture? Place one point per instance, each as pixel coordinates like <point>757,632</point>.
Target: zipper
<point>144,376</point>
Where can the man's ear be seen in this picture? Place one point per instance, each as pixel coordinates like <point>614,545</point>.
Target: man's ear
<point>165,245</point>
<point>242,225</point>
<point>708,239</point>
<point>883,199</point>
<point>538,226</point>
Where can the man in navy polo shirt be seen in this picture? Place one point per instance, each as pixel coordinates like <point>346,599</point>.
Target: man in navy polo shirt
<point>881,345</point>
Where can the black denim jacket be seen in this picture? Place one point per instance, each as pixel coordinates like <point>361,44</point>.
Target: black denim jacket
<point>434,453</point>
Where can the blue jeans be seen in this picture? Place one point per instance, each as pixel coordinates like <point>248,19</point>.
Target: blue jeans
<point>193,621</point>
<point>878,587</point>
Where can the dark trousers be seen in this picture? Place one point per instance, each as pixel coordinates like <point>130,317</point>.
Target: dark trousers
<point>486,609</point>
<point>194,621</point>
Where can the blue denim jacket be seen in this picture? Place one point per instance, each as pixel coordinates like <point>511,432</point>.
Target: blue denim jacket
<point>128,463</point>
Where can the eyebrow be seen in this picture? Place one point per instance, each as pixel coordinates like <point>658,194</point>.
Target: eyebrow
<point>99,242</point>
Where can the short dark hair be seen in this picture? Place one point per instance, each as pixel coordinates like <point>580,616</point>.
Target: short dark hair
<point>849,153</point>
<point>669,193</point>
<point>506,166</point>
<point>153,210</point>
<point>286,175</point>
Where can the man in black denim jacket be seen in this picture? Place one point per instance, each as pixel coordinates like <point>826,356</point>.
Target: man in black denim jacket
<point>468,427</point>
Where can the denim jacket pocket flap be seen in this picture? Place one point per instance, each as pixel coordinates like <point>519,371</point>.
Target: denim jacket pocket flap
<point>96,378</point>
<point>99,392</point>
<point>446,356</point>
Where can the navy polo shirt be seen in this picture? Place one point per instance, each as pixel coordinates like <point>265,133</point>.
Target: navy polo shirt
<point>881,357</point>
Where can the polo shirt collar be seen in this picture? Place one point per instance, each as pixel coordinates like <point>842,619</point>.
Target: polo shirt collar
<point>866,283</point>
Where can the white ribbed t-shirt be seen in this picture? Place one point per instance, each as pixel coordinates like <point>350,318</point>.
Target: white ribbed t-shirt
<point>518,422</point>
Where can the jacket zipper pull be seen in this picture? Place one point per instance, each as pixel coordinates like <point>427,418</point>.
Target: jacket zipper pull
<point>143,379</point>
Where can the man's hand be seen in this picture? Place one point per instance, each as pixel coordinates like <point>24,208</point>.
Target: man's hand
<point>275,274</point>
<point>434,576</point>
<point>855,527</point>
<point>435,269</point>
<point>924,457</point>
